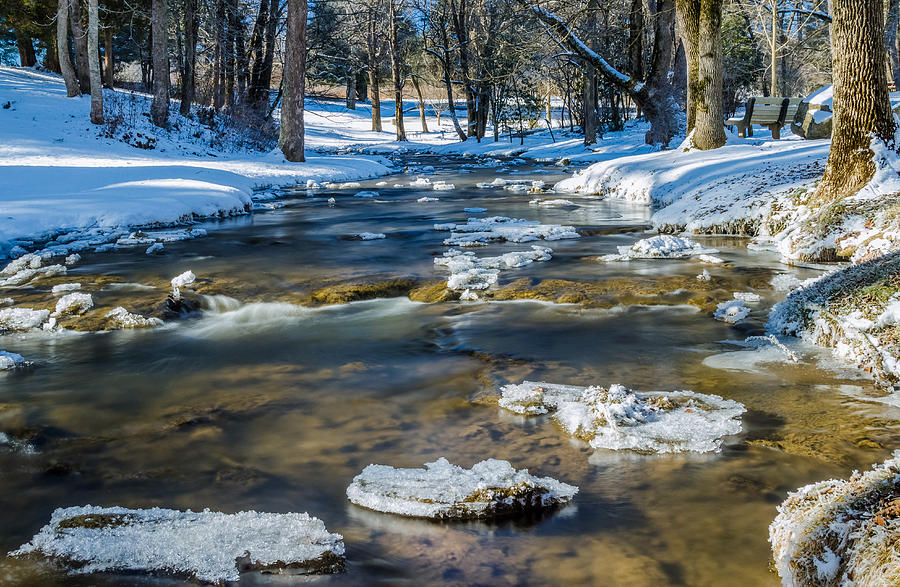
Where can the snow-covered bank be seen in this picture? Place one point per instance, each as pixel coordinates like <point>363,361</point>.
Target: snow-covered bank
<point>855,311</point>
<point>841,532</point>
<point>206,546</point>
<point>60,173</point>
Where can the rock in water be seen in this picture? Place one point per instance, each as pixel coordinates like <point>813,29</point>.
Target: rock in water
<point>206,546</point>
<point>839,532</point>
<point>441,490</point>
<point>620,419</point>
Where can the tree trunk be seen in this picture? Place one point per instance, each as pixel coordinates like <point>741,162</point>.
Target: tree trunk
<point>861,104</point>
<point>159,109</point>
<point>229,55</point>
<point>219,57</point>
<point>589,103</point>
<point>79,38</point>
<point>254,90</point>
<point>890,40</point>
<point>415,81</point>
<point>94,63</point>
<point>62,48</point>
<point>372,54</point>
<point>291,138</point>
<point>635,36</point>
<point>51,58</point>
<point>701,26</point>
<point>395,73</point>
<point>191,28</point>
<point>25,44</point>
<point>660,107</point>
<point>679,77</point>
<point>109,68</point>
<point>350,90</point>
<point>241,61</point>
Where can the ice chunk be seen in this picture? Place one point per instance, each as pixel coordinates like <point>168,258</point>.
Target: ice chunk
<point>747,296</point>
<point>185,279</point>
<point>10,361</point>
<point>711,259</point>
<point>732,311</point>
<point>349,185</point>
<point>443,186</point>
<point>420,182</point>
<point>126,319</point>
<point>441,490</point>
<point>21,319</point>
<point>31,273</point>
<point>154,249</point>
<point>705,276</point>
<point>480,231</point>
<point>331,201</point>
<point>485,185</point>
<point>468,272</point>
<point>551,203</point>
<point>499,182</point>
<point>73,304</point>
<point>370,236</point>
<point>366,194</point>
<point>424,199</point>
<point>620,419</point>
<point>664,246</point>
<point>784,282</point>
<point>207,546</point>
<point>841,532</point>
<point>474,210</point>
<point>73,258</point>
<point>517,188</point>
<point>62,288</point>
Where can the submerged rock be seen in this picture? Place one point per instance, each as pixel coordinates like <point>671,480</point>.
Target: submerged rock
<point>841,532</point>
<point>620,419</point>
<point>206,546</point>
<point>441,490</point>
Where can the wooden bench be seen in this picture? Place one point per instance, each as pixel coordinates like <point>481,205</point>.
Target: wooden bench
<point>773,113</point>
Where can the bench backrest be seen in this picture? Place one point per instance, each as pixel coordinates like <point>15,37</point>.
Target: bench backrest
<point>768,110</point>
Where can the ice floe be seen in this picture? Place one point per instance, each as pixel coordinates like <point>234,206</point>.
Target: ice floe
<point>64,288</point>
<point>732,311</point>
<point>557,203</point>
<point>619,419</point>
<point>125,319</point>
<point>424,199</point>
<point>366,194</point>
<point>478,232</point>
<point>470,274</point>
<point>73,304</point>
<point>443,186</point>
<point>841,532</point>
<point>474,210</point>
<point>22,319</point>
<point>10,361</point>
<point>207,546</point>
<point>420,182</point>
<point>370,236</point>
<point>183,280</point>
<point>441,490</point>
<point>664,246</point>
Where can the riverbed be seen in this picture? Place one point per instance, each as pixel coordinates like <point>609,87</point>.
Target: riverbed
<point>263,401</point>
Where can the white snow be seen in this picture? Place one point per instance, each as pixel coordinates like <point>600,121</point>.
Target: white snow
<point>64,287</point>
<point>732,311</point>
<point>442,490</point>
<point>619,419</point>
<point>469,273</point>
<point>183,280</point>
<point>370,236</point>
<point>206,546</point>
<point>424,199</point>
<point>10,361</point>
<point>443,186</point>
<point>891,314</point>
<point>705,276</point>
<point>664,246</point>
<point>746,296</point>
<point>154,249</point>
<point>557,203</point>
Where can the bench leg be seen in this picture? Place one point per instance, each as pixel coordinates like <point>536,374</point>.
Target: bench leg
<point>750,130</point>
<point>776,131</point>
<point>742,130</point>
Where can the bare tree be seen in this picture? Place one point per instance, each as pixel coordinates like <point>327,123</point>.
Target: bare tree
<point>394,43</point>
<point>94,63</point>
<point>191,25</point>
<point>291,138</point>
<point>159,109</point>
<point>701,29</point>
<point>861,104</point>
<point>62,48</point>
<point>892,20</point>
<point>79,39</point>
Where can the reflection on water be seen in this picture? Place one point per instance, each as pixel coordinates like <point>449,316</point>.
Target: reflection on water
<point>275,407</point>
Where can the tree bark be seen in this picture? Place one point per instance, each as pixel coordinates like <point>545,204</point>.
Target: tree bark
<point>191,28</point>
<point>51,58</point>
<point>109,68</point>
<point>350,90</point>
<point>861,104</point>
<point>589,103</point>
<point>79,38</point>
<point>396,73</point>
<point>292,132</point>
<point>159,109</point>
<point>415,81</point>
<point>62,48</point>
<point>25,44</point>
<point>254,91</point>
<point>372,55</point>
<point>701,26</point>
<point>635,36</point>
<point>892,20</point>
<point>219,56</point>
<point>94,63</point>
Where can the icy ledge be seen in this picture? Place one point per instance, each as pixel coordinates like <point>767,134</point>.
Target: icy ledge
<point>206,546</point>
<point>442,490</point>
<point>620,419</point>
<point>839,532</point>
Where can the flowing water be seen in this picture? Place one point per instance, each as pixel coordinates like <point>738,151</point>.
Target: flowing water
<point>266,405</point>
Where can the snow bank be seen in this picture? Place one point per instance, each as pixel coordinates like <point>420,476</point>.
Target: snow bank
<point>663,246</point>
<point>206,546</point>
<point>619,419</point>
<point>478,232</point>
<point>841,532</point>
<point>442,490</point>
